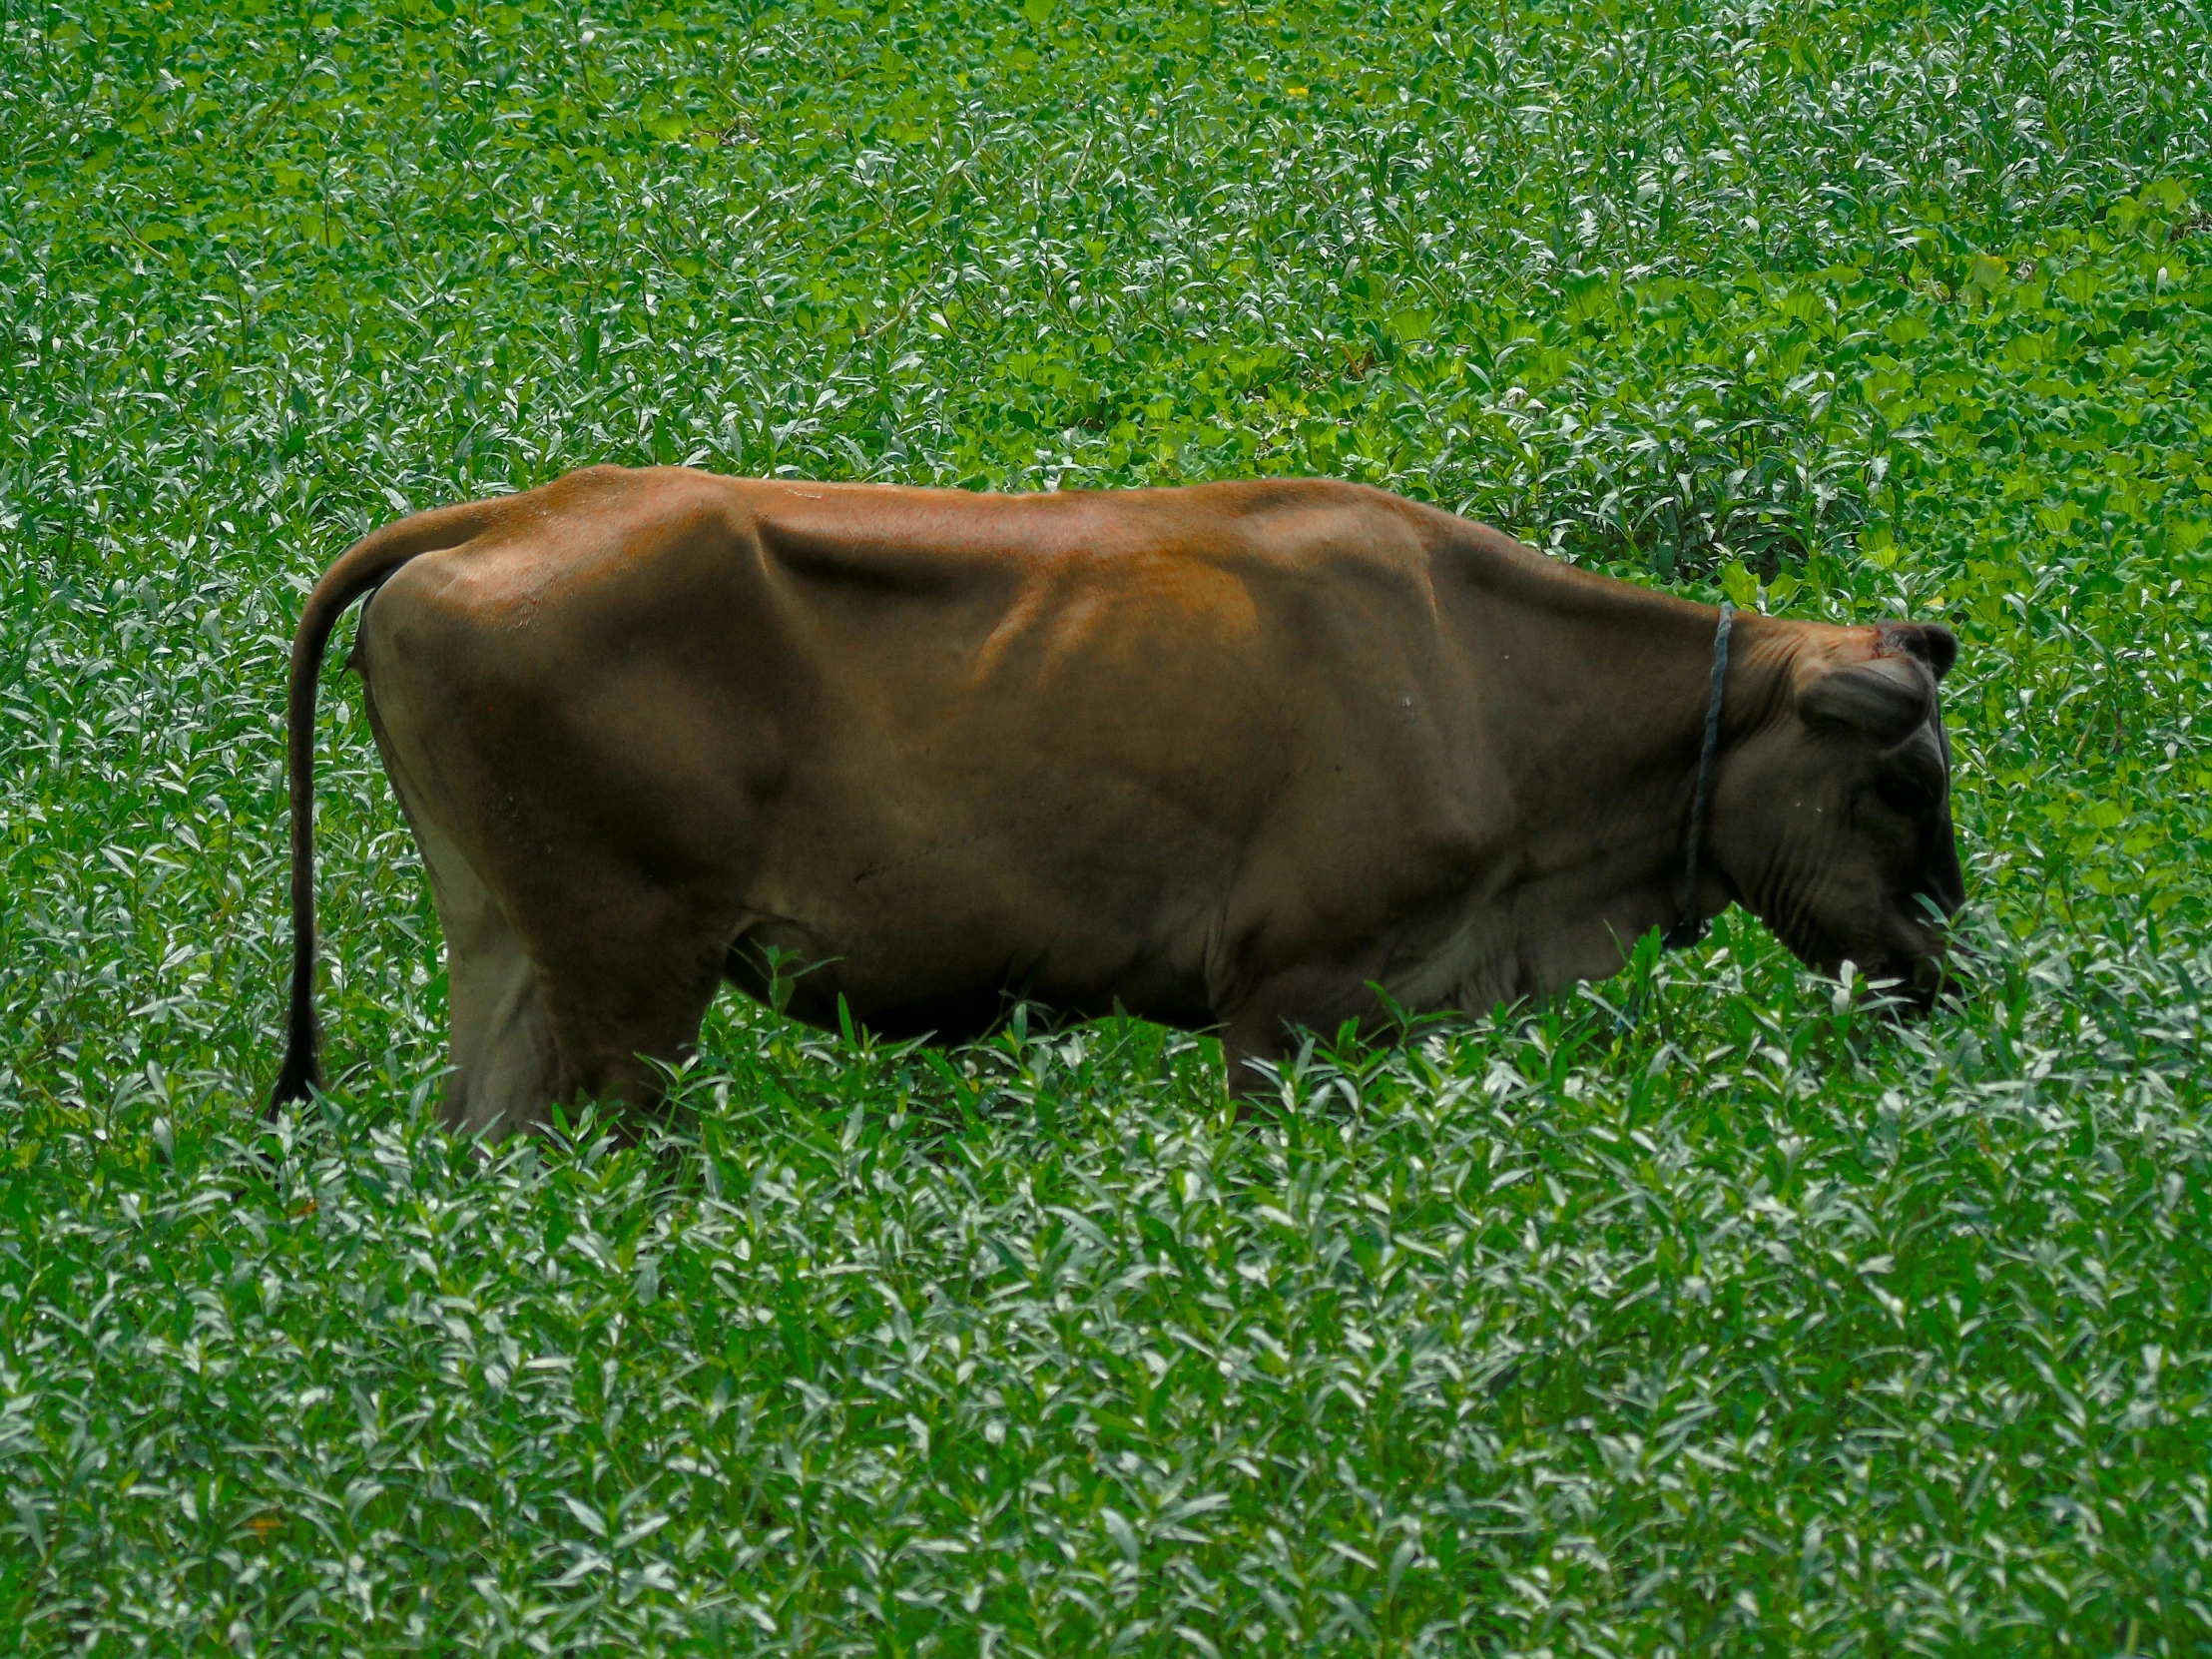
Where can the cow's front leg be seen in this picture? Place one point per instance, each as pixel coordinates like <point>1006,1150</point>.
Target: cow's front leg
<point>1266,1025</point>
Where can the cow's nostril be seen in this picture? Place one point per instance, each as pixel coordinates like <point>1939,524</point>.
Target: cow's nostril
<point>1925,983</point>
<point>1913,983</point>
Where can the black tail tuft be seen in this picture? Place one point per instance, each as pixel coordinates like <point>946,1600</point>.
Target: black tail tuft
<point>302,1069</point>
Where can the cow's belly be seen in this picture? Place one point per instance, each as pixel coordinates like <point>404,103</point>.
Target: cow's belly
<point>939,926</point>
<point>924,990</point>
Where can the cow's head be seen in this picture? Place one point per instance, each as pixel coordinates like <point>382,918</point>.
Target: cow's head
<point>1832,820</point>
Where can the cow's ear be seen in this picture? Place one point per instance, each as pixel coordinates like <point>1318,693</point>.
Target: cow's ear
<point>1883,699</point>
<point>1932,642</point>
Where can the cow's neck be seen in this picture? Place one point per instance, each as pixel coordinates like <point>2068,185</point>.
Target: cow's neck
<point>1594,696</point>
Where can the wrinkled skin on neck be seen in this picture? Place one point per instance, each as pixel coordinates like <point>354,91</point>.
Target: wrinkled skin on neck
<point>1830,814</point>
<point>1832,810</point>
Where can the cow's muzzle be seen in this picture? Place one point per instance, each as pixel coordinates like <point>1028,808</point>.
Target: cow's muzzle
<point>1914,984</point>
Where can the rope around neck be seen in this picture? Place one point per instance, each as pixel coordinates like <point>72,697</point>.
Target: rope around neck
<point>1689,930</point>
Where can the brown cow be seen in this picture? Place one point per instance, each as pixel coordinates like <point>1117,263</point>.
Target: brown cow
<point>1229,757</point>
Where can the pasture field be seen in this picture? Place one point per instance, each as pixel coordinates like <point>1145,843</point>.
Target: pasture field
<point>1702,1312</point>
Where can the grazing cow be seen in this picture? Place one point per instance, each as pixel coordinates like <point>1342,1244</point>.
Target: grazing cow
<point>1230,757</point>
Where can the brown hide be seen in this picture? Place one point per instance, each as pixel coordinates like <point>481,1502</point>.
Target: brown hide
<point>1228,757</point>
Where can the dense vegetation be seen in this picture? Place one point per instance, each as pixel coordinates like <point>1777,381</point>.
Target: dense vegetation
<point>1704,1311</point>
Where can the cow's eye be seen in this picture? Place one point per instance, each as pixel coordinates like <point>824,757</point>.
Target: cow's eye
<point>1903,794</point>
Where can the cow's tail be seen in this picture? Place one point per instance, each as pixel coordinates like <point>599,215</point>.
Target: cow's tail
<point>358,571</point>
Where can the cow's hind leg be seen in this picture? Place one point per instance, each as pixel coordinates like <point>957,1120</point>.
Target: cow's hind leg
<point>506,1065</point>
<point>627,983</point>
<point>569,1001</point>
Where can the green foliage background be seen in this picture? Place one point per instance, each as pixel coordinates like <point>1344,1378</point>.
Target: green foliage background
<point>1701,1311</point>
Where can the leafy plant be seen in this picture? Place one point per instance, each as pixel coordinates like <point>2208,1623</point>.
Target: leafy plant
<point>1699,1311</point>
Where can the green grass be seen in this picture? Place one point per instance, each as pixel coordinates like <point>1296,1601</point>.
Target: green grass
<point>1703,1311</point>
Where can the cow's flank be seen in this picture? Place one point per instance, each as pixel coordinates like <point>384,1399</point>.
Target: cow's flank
<point>1232,757</point>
